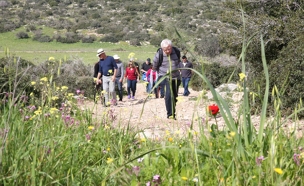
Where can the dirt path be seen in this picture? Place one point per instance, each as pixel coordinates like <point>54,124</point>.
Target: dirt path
<point>150,115</point>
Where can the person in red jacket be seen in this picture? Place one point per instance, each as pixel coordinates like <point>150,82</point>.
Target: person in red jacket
<point>131,75</point>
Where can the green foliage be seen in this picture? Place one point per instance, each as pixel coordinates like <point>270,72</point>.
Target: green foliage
<point>22,35</point>
<point>15,72</point>
<point>216,73</point>
<point>278,23</point>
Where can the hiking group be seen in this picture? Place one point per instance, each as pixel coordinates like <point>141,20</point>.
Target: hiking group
<point>109,72</point>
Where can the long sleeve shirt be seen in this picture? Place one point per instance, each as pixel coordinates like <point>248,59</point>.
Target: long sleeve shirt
<point>131,73</point>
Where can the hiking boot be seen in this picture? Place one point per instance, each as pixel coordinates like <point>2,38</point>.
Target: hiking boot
<point>129,96</point>
<point>162,96</point>
<point>133,97</point>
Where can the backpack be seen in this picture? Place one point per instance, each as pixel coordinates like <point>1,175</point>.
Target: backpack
<point>160,58</point>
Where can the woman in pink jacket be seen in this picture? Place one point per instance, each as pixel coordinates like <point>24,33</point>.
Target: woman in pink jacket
<point>152,77</point>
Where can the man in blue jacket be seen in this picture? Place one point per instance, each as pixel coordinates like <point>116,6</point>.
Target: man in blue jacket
<point>107,68</point>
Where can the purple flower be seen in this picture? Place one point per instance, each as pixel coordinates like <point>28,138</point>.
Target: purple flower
<point>26,118</point>
<point>78,91</point>
<point>156,179</point>
<point>88,137</point>
<point>148,184</point>
<point>136,170</point>
<point>259,160</point>
<point>296,159</point>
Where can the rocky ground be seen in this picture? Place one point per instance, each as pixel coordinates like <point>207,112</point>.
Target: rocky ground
<point>148,114</point>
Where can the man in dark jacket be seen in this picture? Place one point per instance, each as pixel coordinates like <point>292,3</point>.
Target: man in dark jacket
<point>171,62</point>
<point>186,74</point>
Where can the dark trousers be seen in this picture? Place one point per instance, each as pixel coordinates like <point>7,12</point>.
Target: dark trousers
<point>131,86</point>
<point>119,87</point>
<point>170,99</point>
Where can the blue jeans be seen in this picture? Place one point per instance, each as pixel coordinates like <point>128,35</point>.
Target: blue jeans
<point>131,87</point>
<point>186,81</point>
<point>170,101</point>
<point>119,87</point>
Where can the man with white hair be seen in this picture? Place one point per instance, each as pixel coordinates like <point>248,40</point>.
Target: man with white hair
<point>107,68</point>
<point>167,61</point>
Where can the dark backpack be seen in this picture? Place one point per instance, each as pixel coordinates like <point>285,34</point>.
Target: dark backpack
<point>161,56</point>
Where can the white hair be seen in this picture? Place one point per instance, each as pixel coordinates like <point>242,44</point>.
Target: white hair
<point>165,43</point>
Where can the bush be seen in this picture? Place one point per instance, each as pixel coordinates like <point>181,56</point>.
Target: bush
<point>88,39</point>
<point>22,35</point>
<point>110,39</point>
<point>216,73</point>
<point>42,38</point>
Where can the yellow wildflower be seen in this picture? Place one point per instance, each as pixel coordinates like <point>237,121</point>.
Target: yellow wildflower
<point>109,160</point>
<point>91,128</point>
<point>64,88</point>
<point>143,140</point>
<point>33,83</point>
<point>54,98</point>
<point>170,139</point>
<point>278,170</point>
<point>45,79</point>
<point>57,88</point>
<point>31,94</point>
<point>38,112</point>
<point>103,91</point>
<point>53,110</point>
<point>131,55</point>
<point>232,134</point>
<point>242,76</point>
<point>184,178</point>
<point>167,132</point>
<point>70,94</point>
<point>108,149</point>
<point>51,58</point>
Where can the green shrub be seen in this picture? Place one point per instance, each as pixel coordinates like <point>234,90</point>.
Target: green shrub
<point>88,39</point>
<point>216,73</point>
<point>22,35</point>
<point>42,38</point>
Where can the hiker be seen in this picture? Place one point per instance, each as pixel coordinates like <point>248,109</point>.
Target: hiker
<point>131,75</point>
<point>165,57</point>
<point>152,77</point>
<point>107,69</point>
<point>144,69</point>
<point>119,76</point>
<point>135,64</point>
<point>97,82</point>
<point>186,74</point>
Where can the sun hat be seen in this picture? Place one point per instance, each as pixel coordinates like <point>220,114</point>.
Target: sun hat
<point>100,51</point>
<point>116,56</point>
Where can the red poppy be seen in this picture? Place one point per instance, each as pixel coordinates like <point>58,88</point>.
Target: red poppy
<point>213,109</point>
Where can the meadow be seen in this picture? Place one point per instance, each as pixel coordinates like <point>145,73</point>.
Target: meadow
<point>38,52</point>
<point>47,140</point>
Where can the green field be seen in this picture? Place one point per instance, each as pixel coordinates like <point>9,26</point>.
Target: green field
<point>38,52</point>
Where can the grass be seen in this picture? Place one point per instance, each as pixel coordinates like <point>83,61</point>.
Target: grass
<point>38,52</point>
<point>48,140</point>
